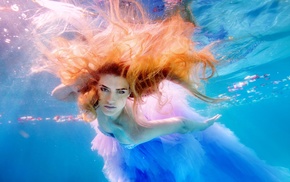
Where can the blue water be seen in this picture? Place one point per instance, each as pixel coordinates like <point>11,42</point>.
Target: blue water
<point>254,53</point>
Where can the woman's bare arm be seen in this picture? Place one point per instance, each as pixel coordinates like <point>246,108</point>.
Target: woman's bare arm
<point>171,125</point>
<point>64,93</point>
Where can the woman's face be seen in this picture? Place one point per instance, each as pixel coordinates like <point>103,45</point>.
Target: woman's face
<point>113,94</point>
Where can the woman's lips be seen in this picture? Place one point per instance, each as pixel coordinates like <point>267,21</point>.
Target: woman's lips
<point>110,107</point>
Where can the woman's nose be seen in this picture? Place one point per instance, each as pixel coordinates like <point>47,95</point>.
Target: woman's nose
<point>111,98</point>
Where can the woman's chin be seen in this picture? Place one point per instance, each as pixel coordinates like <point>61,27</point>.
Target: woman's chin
<point>110,112</point>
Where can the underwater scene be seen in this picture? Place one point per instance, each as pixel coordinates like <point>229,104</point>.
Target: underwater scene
<point>43,139</point>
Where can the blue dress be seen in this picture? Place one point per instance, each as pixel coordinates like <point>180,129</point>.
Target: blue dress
<point>212,155</point>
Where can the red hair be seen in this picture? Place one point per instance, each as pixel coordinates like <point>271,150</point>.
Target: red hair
<point>145,52</point>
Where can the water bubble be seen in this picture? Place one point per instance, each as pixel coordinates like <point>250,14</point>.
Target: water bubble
<point>7,41</point>
<point>24,134</point>
<point>14,7</point>
<point>23,15</point>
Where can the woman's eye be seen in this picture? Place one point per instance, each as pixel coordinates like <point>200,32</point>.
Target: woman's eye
<point>103,89</point>
<point>121,91</point>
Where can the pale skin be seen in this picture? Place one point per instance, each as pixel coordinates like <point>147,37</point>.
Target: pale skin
<point>115,115</point>
<point>68,93</point>
<point>64,93</point>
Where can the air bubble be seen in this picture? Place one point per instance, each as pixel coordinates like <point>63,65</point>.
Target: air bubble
<point>14,7</point>
<point>7,41</point>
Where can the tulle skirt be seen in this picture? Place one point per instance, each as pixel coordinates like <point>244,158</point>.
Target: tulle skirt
<point>212,155</point>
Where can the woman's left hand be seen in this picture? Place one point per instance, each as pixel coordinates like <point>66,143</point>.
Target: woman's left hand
<point>191,126</point>
<point>211,121</point>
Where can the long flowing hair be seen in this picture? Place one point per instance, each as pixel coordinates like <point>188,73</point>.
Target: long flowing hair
<point>80,42</point>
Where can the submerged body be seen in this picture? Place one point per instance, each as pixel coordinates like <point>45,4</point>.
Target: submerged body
<point>214,154</point>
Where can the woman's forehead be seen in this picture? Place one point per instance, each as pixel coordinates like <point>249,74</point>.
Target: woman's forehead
<point>113,82</point>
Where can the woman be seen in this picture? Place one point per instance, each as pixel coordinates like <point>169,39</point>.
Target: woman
<point>131,77</point>
<point>116,116</point>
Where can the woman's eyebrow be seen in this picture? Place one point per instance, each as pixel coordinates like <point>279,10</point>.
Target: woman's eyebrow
<point>122,89</point>
<point>103,86</point>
